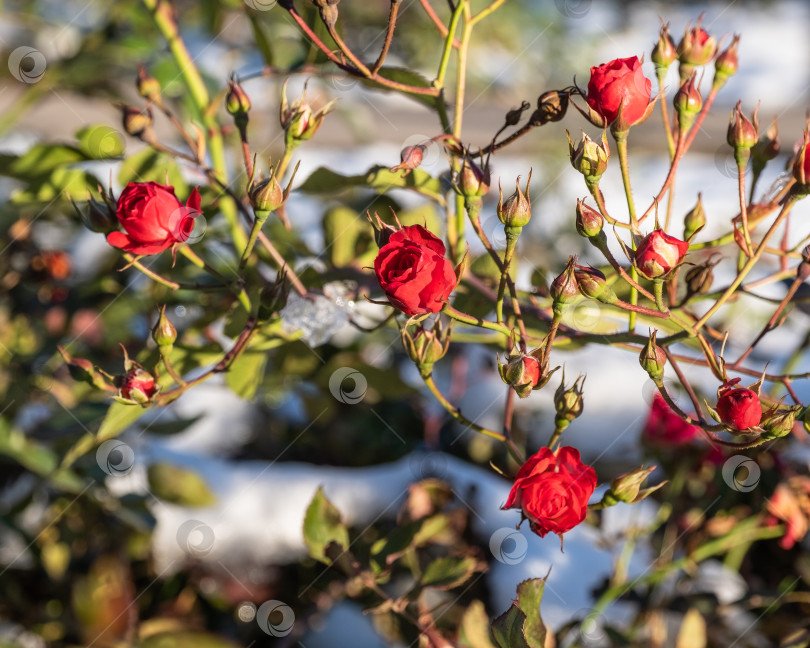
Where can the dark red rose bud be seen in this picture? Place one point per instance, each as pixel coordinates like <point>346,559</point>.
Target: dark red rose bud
<point>738,407</point>
<point>801,166</point>
<point>153,217</point>
<point>726,63</point>
<point>564,287</point>
<point>137,386</point>
<point>688,103</point>
<point>620,92</point>
<point>410,158</point>
<point>742,133</point>
<point>522,372</point>
<point>552,490</point>
<point>664,53</point>
<point>658,253</point>
<point>413,271</point>
<point>589,221</point>
<point>696,48</point>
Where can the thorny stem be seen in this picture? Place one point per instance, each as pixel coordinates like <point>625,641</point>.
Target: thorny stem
<point>389,36</point>
<point>511,242</point>
<point>741,164</point>
<point>437,21</point>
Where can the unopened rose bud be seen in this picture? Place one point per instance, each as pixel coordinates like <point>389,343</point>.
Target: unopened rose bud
<point>473,182</point>
<point>726,63</point>
<point>664,53</point>
<point>696,48</point>
<point>551,107</point>
<point>516,211</point>
<point>699,279</point>
<point>96,216</point>
<point>779,422</point>
<point>766,148</point>
<point>592,283</point>
<point>627,487</point>
<point>589,157</point>
<point>137,386</point>
<point>410,158</point>
<point>273,297</point>
<point>298,120</point>
<point>694,219</point>
<point>659,253</point>
<point>524,372</point>
<point>589,222</point>
<point>328,10</point>
<point>164,334</point>
<point>737,407</point>
<point>514,116</point>
<point>568,402</point>
<point>652,359</point>
<point>82,370</point>
<point>267,195</point>
<point>688,103</point>
<point>237,103</point>
<point>148,86</point>
<point>564,287</point>
<point>136,122</point>
<point>742,134</point>
<point>426,347</point>
<point>801,166</point>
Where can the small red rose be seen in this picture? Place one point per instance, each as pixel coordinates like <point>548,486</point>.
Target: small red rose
<point>738,407</point>
<point>153,218</point>
<point>138,385</point>
<point>413,272</point>
<point>620,84</point>
<point>552,490</point>
<point>658,253</point>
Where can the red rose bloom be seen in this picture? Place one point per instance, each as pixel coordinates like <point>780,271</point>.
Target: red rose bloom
<point>658,253</point>
<point>138,385</point>
<point>738,407</point>
<point>619,84</point>
<point>153,217</point>
<point>552,490</point>
<point>665,428</point>
<point>413,272</point>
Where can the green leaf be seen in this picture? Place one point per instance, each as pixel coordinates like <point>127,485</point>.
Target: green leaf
<point>149,165</point>
<point>246,373</point>
<point>118,417</point>
<point>167,428</point>
<point>179,486</point>
<point>448,572</point>
<point>100,142</point>
<point>347,237</point>
<point>16,445</point>
<point>39,160</point>
<point>507,629</point>
<point>529,595</point>
<point>326,181</point>
<point>474,628</point>
<point>63,180</point>
<point>322,526</point>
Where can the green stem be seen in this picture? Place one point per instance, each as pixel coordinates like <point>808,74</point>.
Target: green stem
<point>448,46</point>
<point>475,321</point>
<point>511,242</point>
<point>254,235</point>
<point>237,289</point>
<point>621,148</point>
<point>658,289</point>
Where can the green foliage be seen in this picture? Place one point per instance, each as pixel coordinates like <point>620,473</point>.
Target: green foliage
<point>323,527</point>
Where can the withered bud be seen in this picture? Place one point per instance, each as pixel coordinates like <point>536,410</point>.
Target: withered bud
<point>514,116</point>
<point>137,122</point>
<point>148,86</point>
<point>699,280</point>
<point>766,148</point>
<point>551,107</point>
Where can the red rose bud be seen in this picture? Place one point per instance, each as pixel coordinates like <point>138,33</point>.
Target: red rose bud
<point>298,120</point>
<point>410,158</point>
<point>664,52</point>
<point>148,86</point>
<point>742,135</point>
<point>726,64</point>
<point>738,407</point>
<point>522,372</point>
<point>473,182</point>
<point>137,122</point>
<point>696,48</point>
<point>96,216</point>
<point>552,490</point>
<point>588,157</point>
<point>551,107</point>
<point>427,347</point>
<point>627,487</point>
<point>801,166</point>
<point>568,402</point>
<point>619,92</point>
<point>163,333</point>
<point>591,283</point>
<point>766,148</point>
<point>516,211</point>
<point>564,287</point>
<point>694,220</point>
<point>589,221</point>
<point>137,386</point>
<point>382,230</point>
<point>652,359</point>
<point>779,422</point>
<point>658,253</point>
<point>688,103</point>
<point>153,217</point>
<point>413,271</point>
<point>82,370</point>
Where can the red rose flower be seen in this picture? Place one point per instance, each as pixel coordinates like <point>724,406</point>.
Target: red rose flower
<point>619,84</point>
<point>658,253</point>
<point>738,407</point>
<point>665,428</point>
<point>153,217</point>
<point>413,272</point>
<point>552,490</point>
<point>138,385</point>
